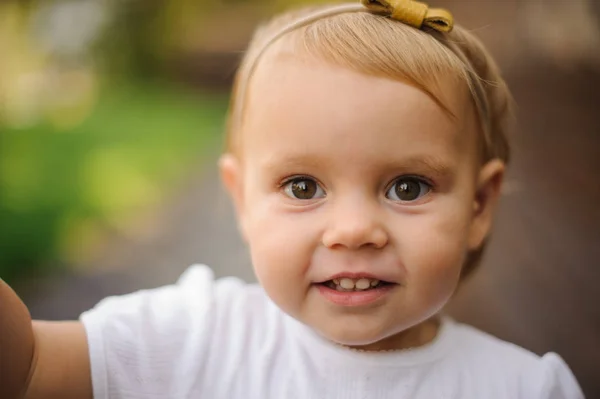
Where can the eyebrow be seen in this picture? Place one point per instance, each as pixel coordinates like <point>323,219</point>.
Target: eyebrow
<point>291,161</point>
<point>415,163</point>
<point>431,164</point>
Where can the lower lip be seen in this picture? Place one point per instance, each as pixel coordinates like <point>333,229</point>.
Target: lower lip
<point>355,298</point>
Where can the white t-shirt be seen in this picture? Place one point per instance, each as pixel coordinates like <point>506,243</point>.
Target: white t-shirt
<point>210,339</point>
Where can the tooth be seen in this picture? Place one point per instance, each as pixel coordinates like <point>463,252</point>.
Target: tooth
<point>347,283</point>
<point>374,283</point>
<point>362,284</point>
<point>336,281</point>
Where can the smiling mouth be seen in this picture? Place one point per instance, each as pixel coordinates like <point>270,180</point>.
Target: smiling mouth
<point>355,285</point>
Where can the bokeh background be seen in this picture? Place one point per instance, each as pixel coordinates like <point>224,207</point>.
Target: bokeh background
<point>111,120</point>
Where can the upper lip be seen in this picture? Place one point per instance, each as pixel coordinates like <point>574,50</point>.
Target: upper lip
<point>354,276</point>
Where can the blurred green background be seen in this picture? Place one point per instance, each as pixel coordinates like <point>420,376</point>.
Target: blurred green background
<point>99,119</point>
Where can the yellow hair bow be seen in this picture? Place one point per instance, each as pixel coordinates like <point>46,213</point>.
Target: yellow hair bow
<point>413,13</point>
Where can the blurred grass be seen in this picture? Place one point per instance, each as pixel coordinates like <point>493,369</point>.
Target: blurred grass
<point>59,188</point>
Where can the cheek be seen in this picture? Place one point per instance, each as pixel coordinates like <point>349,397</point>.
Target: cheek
<point>434,248</point>
<point>281,246</point>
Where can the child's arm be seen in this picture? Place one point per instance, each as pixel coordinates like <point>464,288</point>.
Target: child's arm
<point>40,359</point>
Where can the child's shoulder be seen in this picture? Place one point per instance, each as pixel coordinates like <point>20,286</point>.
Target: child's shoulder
<point>475,343</point>
<point>197,299</point>
<point>162,341</point>
<point>502,364</point>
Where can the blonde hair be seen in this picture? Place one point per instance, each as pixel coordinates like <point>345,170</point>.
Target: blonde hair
<point>350,36</point>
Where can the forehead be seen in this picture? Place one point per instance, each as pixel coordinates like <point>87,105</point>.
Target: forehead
<point>299,105</point>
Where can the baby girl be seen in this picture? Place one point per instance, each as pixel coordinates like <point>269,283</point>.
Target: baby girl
<point>366,149</point>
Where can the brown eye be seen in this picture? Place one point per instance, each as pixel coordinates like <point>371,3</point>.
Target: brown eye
<point>304,189</point>
<point>408,189</point>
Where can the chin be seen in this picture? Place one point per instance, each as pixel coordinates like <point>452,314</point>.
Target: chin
<point>354,334</point>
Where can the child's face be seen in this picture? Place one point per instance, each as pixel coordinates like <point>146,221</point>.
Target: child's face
<point>343,175</point>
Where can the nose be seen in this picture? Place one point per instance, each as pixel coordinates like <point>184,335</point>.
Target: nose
<point>355,224</point>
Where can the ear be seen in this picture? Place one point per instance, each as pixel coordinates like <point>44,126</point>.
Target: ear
<point>231,176</point>
<point>489,184</point>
